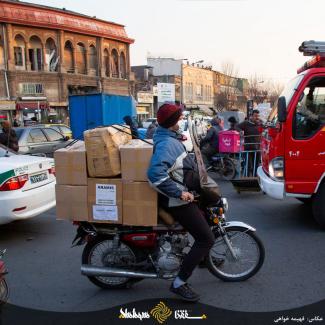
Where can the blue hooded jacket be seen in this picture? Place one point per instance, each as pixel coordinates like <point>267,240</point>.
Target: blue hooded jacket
<point>168,165</point>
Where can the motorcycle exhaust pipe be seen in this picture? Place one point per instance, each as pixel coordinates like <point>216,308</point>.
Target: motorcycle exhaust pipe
<point>90,270</point>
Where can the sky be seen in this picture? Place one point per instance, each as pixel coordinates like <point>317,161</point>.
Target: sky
<point>258,37</point>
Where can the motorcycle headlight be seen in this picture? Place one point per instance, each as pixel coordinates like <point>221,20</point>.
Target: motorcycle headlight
<point>225,204</point>
<point>276,168</point>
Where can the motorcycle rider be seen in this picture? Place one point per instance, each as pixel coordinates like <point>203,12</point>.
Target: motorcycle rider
<point>170,169</point>
<point>210,143</point>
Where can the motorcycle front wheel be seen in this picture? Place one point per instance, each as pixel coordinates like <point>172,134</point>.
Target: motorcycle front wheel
<point>100,252</point>
<point>240,258</point>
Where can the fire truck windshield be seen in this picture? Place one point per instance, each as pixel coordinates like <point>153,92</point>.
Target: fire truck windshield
<point>288,93</point>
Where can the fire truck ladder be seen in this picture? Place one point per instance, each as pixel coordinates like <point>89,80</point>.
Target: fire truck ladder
<point>311,48</point>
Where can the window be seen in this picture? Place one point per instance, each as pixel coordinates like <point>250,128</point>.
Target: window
<point>92,57</point>
<point>310,110</point>
<point>68,57</point>
<point>123,66</point>
<point>36,136</point>
<point>114,64</point>
<point>31,89</point>
<point>35,53</point>
<point>65,129</point>
<point>81,58</point>
<point>18,52</point>
<point>53,135</point>
<point>106,62</point>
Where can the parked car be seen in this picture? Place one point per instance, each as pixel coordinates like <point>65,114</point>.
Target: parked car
<point>40,140</point>
<point>62,128</point>
<point>27,185</point>
<point>185,131</point>
<point>148,122</point>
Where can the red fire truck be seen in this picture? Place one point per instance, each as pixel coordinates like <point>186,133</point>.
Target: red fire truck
<point>293,143</point>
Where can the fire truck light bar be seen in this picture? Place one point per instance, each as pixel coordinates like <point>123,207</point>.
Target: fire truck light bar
<point>316,62</point>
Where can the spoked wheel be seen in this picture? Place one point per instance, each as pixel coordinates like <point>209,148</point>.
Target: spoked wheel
<point>228,171</point>
<point>241,260</point>
<point>4,292</point>
<point>100,252</point>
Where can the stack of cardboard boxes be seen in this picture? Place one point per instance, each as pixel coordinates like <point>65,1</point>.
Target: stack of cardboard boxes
<point>105,180</point>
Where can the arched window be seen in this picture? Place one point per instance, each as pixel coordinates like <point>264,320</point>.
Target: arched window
<point>19,52</point>
<point>93,59</point>
<point>51,56</point>
<point>35,53</point>
<point>81,57</point>
<point>106,62</point>
<point>114,64</point>
<point>68,57</point>
<point>123,65</point>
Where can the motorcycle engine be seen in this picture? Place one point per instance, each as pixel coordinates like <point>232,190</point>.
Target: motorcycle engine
<point>170,252</point>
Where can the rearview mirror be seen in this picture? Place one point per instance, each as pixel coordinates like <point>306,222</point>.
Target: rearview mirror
<point>282,109</point>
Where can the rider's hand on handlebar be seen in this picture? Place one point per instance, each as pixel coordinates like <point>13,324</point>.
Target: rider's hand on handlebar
<point>187,196</point>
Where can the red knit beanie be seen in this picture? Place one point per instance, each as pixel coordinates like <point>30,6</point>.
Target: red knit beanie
<point>168,115</point>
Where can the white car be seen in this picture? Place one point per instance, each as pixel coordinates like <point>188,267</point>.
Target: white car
<point>148,122</point>
<point>27,186</point>
<point>185,131</point>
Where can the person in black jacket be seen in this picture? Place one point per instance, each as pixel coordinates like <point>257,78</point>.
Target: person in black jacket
<point>209,145</point>
<point>252,140</point>
<point>134,130</point>
<point>8,137</point>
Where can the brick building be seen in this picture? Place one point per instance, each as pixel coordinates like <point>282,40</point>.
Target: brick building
<point>48,53</point>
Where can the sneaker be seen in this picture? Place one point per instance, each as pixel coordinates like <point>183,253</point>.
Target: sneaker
<point>186,292</point>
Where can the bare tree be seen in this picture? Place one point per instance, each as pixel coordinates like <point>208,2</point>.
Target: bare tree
<point>226,97</point>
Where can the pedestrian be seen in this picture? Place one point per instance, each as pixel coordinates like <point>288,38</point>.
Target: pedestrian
<point>209,145</point>
<point>169,173</point>
<point>233,123</point>
<point>134,129</point>
<point>16,122</point>
<point>151,130</point>
<point>252,139</point>
<point>8,137</point>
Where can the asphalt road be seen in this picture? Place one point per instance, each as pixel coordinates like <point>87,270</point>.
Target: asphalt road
<point>45,271</point>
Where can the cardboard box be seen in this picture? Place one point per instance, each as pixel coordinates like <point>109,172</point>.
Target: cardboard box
<point>105,200</point>
<point>71,202</point>
<point>103,155</point>
<point>140,204</point>
<point>135,160</point>
<point>71,165</point>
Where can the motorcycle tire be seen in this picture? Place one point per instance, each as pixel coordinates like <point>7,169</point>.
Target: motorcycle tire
<point>4,292</point>
<point>103,282</point>
<point>228,171</point>
<point>218,265</point>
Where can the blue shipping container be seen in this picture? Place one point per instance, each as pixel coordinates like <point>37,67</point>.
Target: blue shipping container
<point>90,111</point>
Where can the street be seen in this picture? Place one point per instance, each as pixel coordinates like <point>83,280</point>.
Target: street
<point>44,272</point>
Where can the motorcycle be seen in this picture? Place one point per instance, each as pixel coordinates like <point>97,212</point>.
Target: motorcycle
<point>117,256</point>
<point>4,290</point>
<point>223,165</point>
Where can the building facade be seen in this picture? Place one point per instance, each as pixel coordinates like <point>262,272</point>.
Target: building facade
<point>46,54</point>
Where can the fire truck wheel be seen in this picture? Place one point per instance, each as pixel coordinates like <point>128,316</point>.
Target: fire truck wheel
<point>319,206</point>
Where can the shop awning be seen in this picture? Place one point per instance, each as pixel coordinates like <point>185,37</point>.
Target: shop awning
<point>31,105</point>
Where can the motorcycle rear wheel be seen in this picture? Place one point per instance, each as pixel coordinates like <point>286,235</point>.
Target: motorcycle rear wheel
<point>249,251</point>
<point>103,245</point>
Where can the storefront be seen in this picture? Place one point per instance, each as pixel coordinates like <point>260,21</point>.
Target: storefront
<point>32,111</point>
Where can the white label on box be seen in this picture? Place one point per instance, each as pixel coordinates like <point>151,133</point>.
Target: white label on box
<point>104,212</point>
<point>105,194</point>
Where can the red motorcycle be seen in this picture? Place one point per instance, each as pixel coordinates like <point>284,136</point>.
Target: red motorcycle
<point>116,256</point>
<point>4,290</point>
